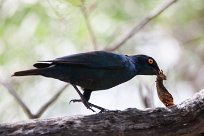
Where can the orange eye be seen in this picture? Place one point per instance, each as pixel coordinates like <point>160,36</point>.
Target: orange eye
<point>150,61</point>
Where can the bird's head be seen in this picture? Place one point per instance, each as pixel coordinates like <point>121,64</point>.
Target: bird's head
<point>146,65</point>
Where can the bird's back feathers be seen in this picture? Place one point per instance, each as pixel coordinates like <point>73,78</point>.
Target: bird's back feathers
<point>97,59</point>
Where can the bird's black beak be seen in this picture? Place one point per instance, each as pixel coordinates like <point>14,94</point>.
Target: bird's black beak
<point>157,70</point>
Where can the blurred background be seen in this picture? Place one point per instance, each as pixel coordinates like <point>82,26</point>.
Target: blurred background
<point>32,30</point>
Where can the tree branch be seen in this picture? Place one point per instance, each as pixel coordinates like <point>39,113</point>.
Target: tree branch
<point>1,3</point>
<point>17,98</point>
<point>89,27</point>
<point>25,107</point>
<point>138,26</point>
<point>50,102</point>
<point>185,119</point>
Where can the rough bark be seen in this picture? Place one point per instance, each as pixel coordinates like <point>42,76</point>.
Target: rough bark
<point>185,119</point>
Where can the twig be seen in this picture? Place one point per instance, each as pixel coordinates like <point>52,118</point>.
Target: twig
<point>138,26</point>
<point>146,98</point>
<point>142,95</point>
<point>25,107</point>
<point>1,3</point>
<point>89,27</point>
<point>18,99</point>
<point>61,17</point>
<point>51,101</point>
<point>149,97</point>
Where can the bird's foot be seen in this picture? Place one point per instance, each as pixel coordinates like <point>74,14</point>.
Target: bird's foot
<point>87,104</point>
<point>99,108</point>
<point>75,100</point>
<point>90,105</point>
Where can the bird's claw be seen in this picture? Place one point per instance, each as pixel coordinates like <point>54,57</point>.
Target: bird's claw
<point>75,100</point>
<point>103,110</point>
<point>87,105</point>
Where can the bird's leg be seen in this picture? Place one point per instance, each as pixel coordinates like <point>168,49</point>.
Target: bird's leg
<point>90,104</point>
<point>86,95</point>
<point>83,100</point>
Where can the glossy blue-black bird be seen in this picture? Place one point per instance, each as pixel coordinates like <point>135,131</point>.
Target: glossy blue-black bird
<point>93,71</point>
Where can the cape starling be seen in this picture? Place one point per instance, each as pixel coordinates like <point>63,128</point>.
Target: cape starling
<point>93,71</point>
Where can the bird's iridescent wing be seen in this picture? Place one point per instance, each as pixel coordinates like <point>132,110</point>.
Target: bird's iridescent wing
<point>97,59</point>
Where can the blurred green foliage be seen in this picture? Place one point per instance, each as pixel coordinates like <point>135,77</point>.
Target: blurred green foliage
<point>41,30</point>
<point>76,2</point>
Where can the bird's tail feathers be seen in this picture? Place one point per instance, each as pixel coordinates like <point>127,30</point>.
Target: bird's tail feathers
<point>42,65</point>
<point>27,72</point>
